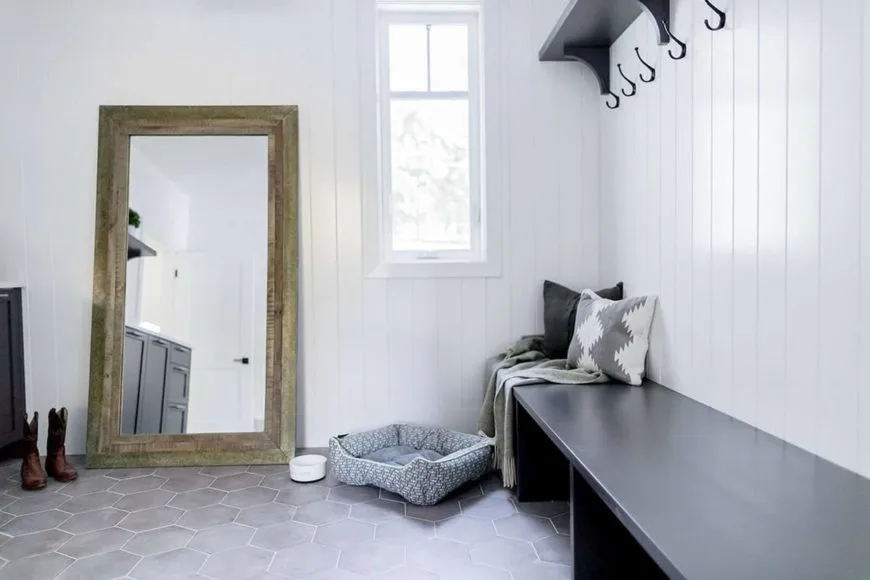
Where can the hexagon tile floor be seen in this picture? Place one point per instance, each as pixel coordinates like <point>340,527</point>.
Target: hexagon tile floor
<point>235,523</point>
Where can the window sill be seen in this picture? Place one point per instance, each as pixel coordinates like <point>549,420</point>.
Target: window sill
<point>436,269</point>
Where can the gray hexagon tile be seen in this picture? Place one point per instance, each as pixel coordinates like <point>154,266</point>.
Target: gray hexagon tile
<point>101,567</point>
<point>437,555</point>
<point>129,473</point>
<point>562,523</point>
<point>299,495</point>
<point>85,485</point>
<point>150,519</point>
<point>304,560</point>
<point>265,515</point>
<point>377,511</point>
<point>321,512</point>
<point>335,574</point>
<point>199,498</point>
<point>237,481</point>
<point>282,536</point>
<point>406,573</point>
<point>345,533</point>
<point>388,495</point>
<point>267,470</point>
<point>353,494</point>
<point>144,500</point>
<point>465,529</point>
<point>137,484</point>
<point>208,517</point>
<point>442,511</point>
<point>178,564</point>
<point>404,532</point>
<point>503,553</point>
<point>476,572</point>
<point>94,543</point>
<point>222,470</point>
<point>32,544</point>
<point>221,538</point>
<point>250,496</point>
<point>547,509</point>
<point>30,523</point>
<point>371,558</point>
<point>524,527</point>
<point>94,520</point>
<point>188,481</point>
<point>36,567</point>
<point>488,507</point>
<point>542,571</point>
<point>244,562</point>
<point>279,482</point>
<point>90,501</point>
<point>4,519</point>
<point>38,502</point>
<point>556,549</point>
<point>159,540</point>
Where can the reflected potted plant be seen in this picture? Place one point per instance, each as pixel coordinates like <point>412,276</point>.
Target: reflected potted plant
<point>134,220</point>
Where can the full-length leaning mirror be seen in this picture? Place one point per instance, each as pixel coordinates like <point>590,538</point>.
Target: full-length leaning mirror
<point>193,351</point>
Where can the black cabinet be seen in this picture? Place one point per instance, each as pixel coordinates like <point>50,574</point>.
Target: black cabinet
<point>12,404</point>
<point>156,384</point>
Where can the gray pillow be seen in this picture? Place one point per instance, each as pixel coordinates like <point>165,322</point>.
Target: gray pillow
<point>612,336</point>
<point>560,307</point>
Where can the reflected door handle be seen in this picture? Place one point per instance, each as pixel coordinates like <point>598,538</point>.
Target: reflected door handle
<point>244,360</point>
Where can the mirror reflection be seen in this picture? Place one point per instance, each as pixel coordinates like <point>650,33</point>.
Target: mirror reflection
<point>195,338</point>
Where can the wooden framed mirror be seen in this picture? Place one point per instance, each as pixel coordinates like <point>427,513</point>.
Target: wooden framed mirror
<point>194,325</point>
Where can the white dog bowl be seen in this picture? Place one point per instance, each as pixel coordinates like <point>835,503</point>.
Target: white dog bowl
<point>308,468</point>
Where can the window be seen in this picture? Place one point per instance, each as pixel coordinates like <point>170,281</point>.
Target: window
<point>431,180</point>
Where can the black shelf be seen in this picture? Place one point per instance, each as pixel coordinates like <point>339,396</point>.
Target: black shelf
<point>136,248</point>
<point>587,28</point>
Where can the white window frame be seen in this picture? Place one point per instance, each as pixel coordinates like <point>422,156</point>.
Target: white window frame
<point>483,259</point>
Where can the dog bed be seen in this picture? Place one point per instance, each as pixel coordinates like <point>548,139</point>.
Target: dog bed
<point>422,464</point>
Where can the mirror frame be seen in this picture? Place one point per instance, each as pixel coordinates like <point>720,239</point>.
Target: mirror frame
<point>106,446</point>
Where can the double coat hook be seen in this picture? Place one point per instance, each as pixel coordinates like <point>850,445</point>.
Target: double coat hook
<point>615,104</point>
<point>652,71</point>
<point>679,42</point>
<point>719,13</point>
<point>629,81</point>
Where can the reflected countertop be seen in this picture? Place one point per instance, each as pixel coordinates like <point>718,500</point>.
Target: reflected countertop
<point>160,335</point>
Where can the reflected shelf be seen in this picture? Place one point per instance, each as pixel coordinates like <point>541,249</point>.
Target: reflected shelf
<point>136,248</point>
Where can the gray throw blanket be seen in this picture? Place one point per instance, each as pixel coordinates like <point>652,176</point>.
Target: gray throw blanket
<point>521,364</point>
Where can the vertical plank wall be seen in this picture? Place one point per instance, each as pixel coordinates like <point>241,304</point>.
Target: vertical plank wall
<point>372,351</point>
<point>736,187</point>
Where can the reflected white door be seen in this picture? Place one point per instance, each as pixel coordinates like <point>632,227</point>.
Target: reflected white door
<point>220,310</point>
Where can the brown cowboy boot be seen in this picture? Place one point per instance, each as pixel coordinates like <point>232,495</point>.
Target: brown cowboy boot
<point>55,458</point>
<point>32,475</point>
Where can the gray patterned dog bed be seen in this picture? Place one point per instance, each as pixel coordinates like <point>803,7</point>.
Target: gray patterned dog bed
<point>422,464</point>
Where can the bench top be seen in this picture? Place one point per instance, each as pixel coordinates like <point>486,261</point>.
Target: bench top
<point>706,495</point>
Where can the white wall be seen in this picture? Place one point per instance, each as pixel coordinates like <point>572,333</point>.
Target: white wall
<point>736,187</point>
<point>372,351</point>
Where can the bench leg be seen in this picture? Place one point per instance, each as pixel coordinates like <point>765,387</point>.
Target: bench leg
<point>601,546</point>
<point>542,470</point>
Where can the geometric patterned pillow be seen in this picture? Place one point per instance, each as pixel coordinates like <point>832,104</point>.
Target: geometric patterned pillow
<point>612,337</point>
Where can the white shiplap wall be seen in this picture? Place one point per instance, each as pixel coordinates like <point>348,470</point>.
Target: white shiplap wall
<point>736,187</point>
<point>372,351</point>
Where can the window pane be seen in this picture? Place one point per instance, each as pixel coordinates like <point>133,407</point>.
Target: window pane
<point>449,60</point>
<point>430,176</point>
<point>408,57</point>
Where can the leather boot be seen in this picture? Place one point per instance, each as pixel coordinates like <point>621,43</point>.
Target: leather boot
<point>55,458</point>
<point>32,475</point>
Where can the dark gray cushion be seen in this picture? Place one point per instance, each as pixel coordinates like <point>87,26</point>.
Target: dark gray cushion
<point>560,309</point>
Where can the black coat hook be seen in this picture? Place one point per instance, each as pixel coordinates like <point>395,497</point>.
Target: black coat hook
<point>628,80</point>
<point>719,13</point>
<point>652,71</point>
<point>679,42</point>
<point>614,105</point>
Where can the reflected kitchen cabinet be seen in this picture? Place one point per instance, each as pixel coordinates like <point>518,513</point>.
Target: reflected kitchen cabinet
<point>12,404</point>
<point>156,378</point>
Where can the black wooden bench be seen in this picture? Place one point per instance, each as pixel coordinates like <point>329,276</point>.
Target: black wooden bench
<point>664,486</point>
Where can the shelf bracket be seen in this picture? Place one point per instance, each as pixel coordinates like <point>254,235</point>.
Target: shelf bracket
<point>660,12</point>
<point>597,58</point>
